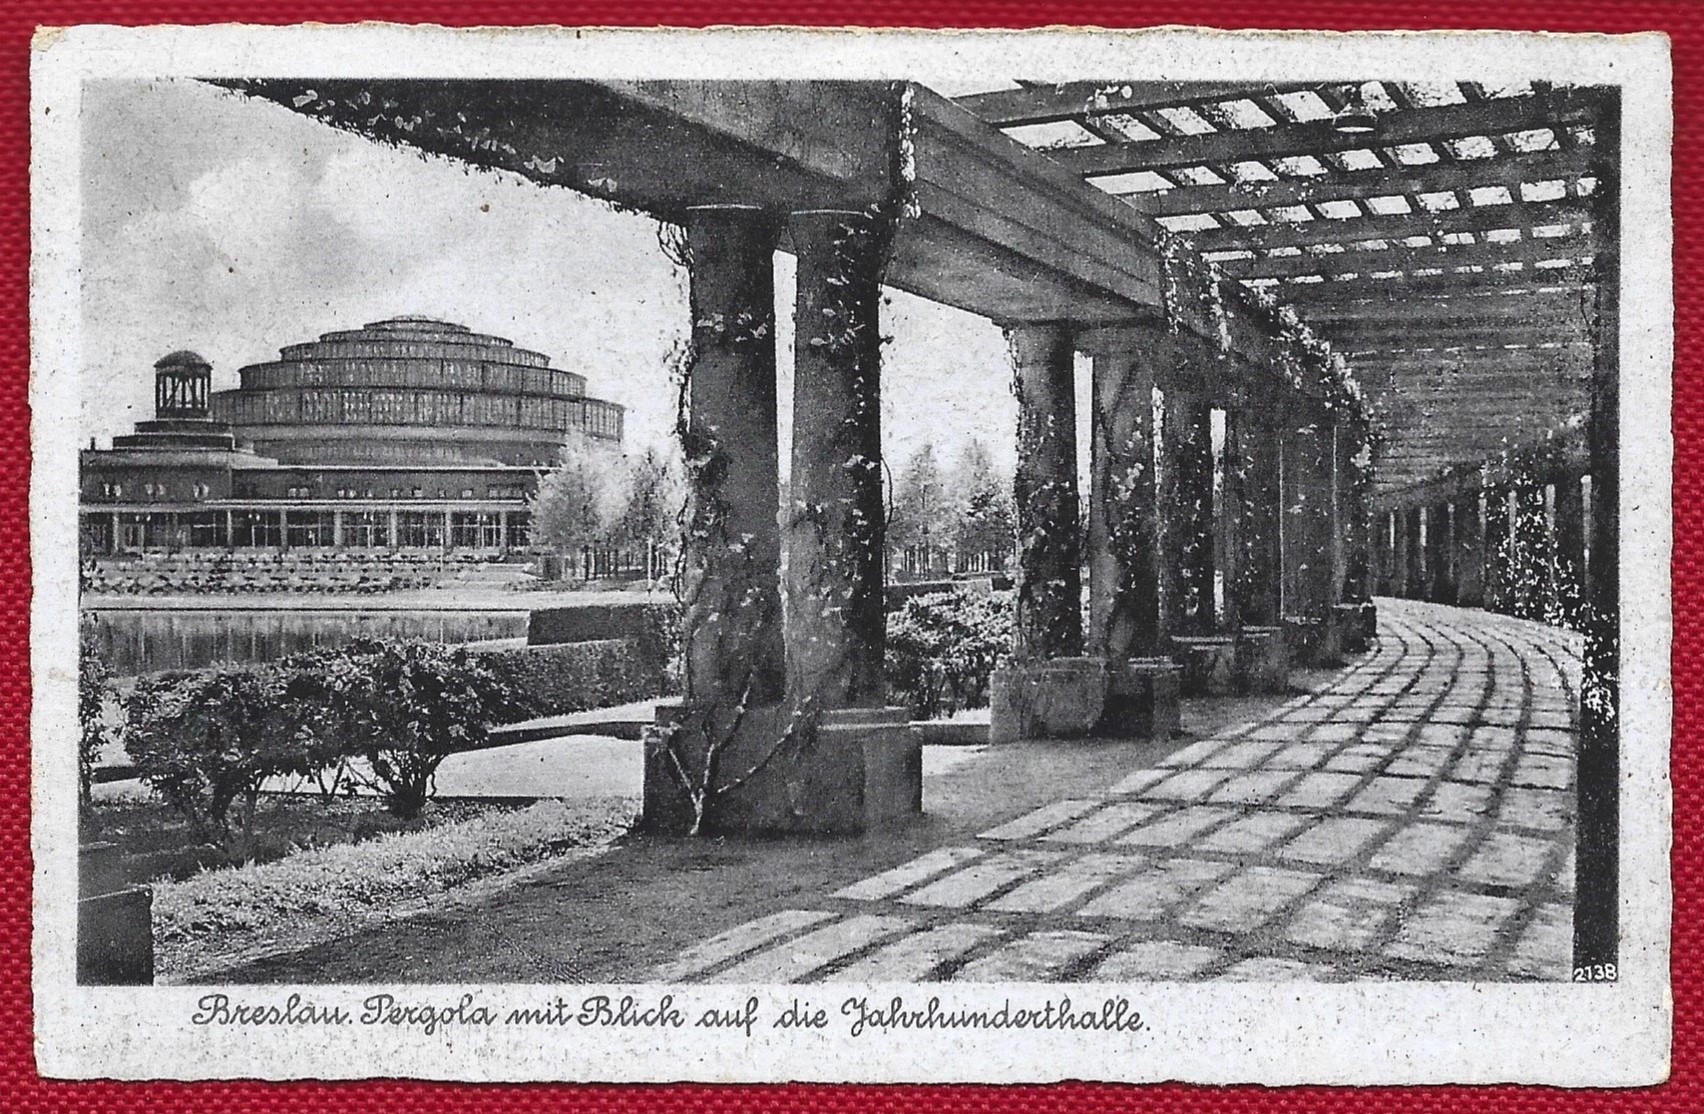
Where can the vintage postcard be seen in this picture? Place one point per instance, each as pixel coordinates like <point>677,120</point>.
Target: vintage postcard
<point>864,556</point>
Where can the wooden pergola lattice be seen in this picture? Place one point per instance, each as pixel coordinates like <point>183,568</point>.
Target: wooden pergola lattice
<point>1442,236</point>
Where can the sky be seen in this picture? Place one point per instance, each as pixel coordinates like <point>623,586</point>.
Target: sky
<point>234,227</point>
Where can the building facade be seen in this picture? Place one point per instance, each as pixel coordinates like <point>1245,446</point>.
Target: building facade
<point>407,433</point>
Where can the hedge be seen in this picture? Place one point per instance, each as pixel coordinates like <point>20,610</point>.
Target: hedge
<point>577,676</point>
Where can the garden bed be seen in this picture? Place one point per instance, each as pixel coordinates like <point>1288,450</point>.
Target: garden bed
<point>220,918</point>
<point>156,843</point>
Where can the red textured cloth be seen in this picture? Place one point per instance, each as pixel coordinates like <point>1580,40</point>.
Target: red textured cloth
<point>21,1090</point>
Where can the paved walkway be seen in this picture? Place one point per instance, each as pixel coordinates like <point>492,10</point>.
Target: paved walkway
<point>1411,820</point>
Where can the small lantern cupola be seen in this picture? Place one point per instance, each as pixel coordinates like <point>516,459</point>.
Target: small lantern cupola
<point>182,383</point>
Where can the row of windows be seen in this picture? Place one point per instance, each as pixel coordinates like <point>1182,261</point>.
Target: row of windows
<point>311,529</point>
<point>360,406</point>
<point>415,373</point>
<point>149,490</point>
<point>113,490</point>
<point>407,350</point>
<point>509,492</point>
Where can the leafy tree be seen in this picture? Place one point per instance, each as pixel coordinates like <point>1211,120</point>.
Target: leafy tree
<point>579,503</point>
<point>652,494</point>
<point>984,521</point>
<point>920,509</point>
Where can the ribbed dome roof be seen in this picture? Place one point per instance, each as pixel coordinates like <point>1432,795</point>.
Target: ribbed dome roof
<point>183,357</point>
<point>414,321</point>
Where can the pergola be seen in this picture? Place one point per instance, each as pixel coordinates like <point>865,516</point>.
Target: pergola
<point>1396,300</point>
<point>1440,235</point>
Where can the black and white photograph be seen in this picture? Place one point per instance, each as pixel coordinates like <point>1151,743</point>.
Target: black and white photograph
<point>982,538</point>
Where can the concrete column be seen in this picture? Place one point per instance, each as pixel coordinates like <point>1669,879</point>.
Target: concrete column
<point>337,529</point>
<point>1598,778</point>
<point>503,534</point>
<point>1396,572</point>
<point>1341,525</point>
<point>1497,548</point>
<point>1570,534</point>
<point>1186,515</point>
<point>1469,550</point>
<point>1413,555</point>
<point>1123,558</point>
<point>1254,587</point>
<point>395,541</point>
<point>1307,518</point>
<point>1529,575</point>
<point>1228,524</point>
<point>835,629</point>
<point>783,729</point>
<point>1049,619</point>
<point>731,548</point>
<point>1441,541</point>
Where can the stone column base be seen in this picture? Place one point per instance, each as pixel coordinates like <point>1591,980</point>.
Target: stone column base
<point>1263,660</point>
<point>1307,638</point>
<point>1208,662</point>
<point>1072,698</point>
<point>1355,625</point>
<point>860,771</point>
<point>115,938</point>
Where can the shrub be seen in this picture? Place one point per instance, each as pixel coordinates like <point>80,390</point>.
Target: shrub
<point>942,648</point>
<point>206,742</point>
<point>575,676</point>
<point>94,685</point>
<point>406,706</point>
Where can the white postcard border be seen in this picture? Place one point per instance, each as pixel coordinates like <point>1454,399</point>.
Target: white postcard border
<point>1564,1034</point>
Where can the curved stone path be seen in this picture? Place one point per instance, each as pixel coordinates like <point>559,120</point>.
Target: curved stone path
<point>1410,820</point>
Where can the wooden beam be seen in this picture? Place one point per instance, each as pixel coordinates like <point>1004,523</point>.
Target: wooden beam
<point>1441,380</point>
<point>1480,218</point>
<point>1318,137</point>
<point>1577,355</point>
<point>1407,260</point>
<point>1399,287</point>
<point>1046,104</point>
<point>1469,310</point>
<point>1469,405</point>
<point>1508,171</point>
<point>1351,338</point>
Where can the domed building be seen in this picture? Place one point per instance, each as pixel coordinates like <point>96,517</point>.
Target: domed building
<point>412,390</point>
<point>408,433</point>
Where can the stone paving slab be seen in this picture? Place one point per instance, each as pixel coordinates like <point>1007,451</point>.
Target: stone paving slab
<point>1411,818</point>
<point>1033,958</point>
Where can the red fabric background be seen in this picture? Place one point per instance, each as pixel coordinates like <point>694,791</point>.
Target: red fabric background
<point>22,1090</point>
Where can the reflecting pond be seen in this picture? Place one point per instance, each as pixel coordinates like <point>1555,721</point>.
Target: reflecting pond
<point>145,640</point>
